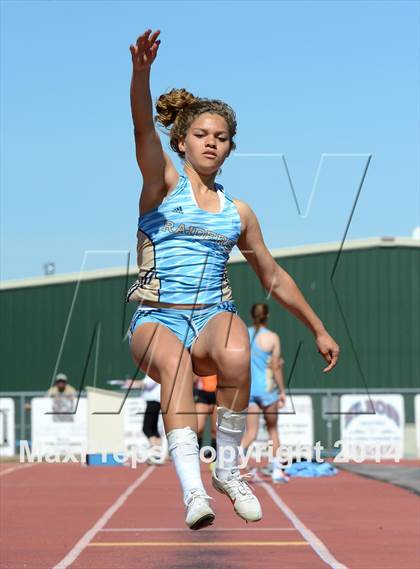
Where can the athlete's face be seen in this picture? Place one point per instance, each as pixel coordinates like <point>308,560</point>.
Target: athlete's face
<point>207,143</point>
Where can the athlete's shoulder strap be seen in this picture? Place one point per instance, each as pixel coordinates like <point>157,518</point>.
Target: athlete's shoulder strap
<point>253,333</point>
<point>181,185</point>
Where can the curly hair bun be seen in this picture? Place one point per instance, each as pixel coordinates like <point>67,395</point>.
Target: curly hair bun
<point>170,104</point>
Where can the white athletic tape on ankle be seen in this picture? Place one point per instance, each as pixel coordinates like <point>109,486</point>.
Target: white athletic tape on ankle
<point>184,439</point>
<point>230,421</point>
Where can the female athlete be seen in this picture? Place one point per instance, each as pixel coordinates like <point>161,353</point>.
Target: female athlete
<point>186,319</point>
<point>267,385</point>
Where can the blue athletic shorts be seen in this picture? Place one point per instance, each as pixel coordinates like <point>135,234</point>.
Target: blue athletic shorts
<point>185,323</point>
<point>264,400</point>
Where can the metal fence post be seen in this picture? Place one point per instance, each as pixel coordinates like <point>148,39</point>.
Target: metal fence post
<point>22,417</point>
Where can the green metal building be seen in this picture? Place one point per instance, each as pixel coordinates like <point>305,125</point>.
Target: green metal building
<point>368,296</point>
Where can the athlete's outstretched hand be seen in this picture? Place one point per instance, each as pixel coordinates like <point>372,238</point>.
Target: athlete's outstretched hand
<point>328,349</point>
<point>144,52</point>
<point>282,400</point>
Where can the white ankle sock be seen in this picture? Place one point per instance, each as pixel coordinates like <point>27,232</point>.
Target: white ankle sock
<point>230,430</point>
<point>276,463</point>
<point>183,448</point>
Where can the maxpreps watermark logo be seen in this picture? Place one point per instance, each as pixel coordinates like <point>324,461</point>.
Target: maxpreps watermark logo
<point>286,455</point>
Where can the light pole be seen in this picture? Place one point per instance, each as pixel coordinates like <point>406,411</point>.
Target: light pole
<point>49,268</point>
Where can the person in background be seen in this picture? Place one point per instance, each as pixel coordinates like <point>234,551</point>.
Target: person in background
<point>63,398</point>
<point>267,385</point>
<point>61,387</point>
<point>150,392</point>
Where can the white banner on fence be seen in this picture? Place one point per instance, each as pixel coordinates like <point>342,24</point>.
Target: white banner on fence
<point>7,426</point>
<point>295,424</point>
<point>417,420</point>
<point>62,431</point>
<point>372,428</point>
<point>296,421</point>
<point>105,421</point>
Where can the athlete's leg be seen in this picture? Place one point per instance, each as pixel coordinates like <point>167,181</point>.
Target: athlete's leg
<point>222,347</point>
<point>160,353</point>
<point>271,417</point>
<point>213,426</point>
<point>203,412</point>
<point>252,424</point>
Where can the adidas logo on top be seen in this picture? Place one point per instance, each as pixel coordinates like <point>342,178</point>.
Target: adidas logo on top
<point>178,210</point>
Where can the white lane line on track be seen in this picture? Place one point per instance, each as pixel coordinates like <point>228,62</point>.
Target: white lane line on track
<point>74,553</point>
<point>14,468</point>
<point>317,545</point>
<point>212,530</point>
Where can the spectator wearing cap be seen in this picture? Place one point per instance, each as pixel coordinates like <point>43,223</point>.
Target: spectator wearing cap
<point>61,387</point>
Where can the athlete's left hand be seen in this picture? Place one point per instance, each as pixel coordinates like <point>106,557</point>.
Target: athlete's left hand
<point>328,349</point>
<point>282,400</point>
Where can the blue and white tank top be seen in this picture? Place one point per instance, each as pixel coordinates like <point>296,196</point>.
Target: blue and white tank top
<point>182,250</point>
<point>262,379</point>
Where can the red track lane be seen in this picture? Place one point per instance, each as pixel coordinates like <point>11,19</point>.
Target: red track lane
<point>47,509</point>
<point>6,467</point>
<point>366,524</point>
<point>158,504</point>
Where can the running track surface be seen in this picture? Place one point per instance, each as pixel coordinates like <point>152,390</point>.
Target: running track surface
<point>69,515</point>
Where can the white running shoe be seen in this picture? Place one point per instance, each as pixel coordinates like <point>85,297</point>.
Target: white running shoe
<point>267,470</point>
<point>253,475</point>
<point>278,476</point>
<point>245,504</point>
<point>153,461</point>
<point>198,512</point>
<point>156,456</point>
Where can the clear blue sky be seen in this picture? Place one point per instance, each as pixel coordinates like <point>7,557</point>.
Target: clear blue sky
<point>305,78</point>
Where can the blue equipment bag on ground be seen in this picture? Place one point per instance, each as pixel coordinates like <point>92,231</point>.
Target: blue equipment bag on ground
<point>311,469</point>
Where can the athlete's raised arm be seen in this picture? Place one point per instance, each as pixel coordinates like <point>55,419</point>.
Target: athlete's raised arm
<point>159,174</point>
<point>280,284</point>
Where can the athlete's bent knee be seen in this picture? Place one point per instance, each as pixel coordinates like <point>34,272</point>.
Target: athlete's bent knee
<point>235,364</point>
